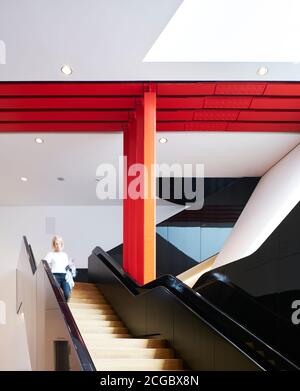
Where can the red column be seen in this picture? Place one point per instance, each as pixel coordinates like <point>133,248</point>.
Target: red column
<point>139,257</point>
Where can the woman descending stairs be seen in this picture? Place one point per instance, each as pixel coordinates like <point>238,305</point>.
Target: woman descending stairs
<point>111,346</point>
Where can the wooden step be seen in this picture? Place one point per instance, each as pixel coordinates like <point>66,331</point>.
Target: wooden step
<point>89,306</point>
<point>94,342</point>
<point>96,337</point>
<point>108,340</point>
<point>86,292</point>
<point>102,330</point>
<point>99,323</point>
<point>130,353</point>
<point>89,317</point>
<point>83,286</point>
<point>87,295</point>
<point>91,311</point>
<point>94,300</point>
<point>144,364</point>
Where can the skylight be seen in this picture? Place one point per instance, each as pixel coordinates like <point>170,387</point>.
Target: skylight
<point>230,31</point>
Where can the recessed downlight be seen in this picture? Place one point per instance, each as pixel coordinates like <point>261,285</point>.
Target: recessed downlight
<point>262,71</point>
<point>60,179</point>
<point>66,69</point>
<point>24,179</point>
<point>163,140</point>
<point>39,140</point>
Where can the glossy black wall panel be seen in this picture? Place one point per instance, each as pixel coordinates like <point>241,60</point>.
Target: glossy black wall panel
<point>159,313</point>
<point>159,316</point>
<point>230,360</point>
<point>197,346</point>
<point>266,283</point>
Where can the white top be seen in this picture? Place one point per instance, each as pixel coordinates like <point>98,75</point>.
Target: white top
<point>57,261</point>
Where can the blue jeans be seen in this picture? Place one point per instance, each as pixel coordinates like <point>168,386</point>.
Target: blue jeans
<point>61,280</point>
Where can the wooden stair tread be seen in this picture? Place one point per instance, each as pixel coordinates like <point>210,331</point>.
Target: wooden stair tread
<point>91,311</point>
<point>137,364</point>
<point>96,317</point>
<point>104,329</point>
<point>108,340</point>
<point>83,297</point>
<point>100,323</point>
<point>127,352</point>
<point>123,343</point>
<point>88,301</point>
<point>94,337</point>
<point>88,305</point>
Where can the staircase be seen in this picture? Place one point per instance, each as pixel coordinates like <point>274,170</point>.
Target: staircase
<point>110,344</point>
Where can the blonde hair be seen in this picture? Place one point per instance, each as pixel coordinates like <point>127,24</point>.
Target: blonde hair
<point>58,239</point>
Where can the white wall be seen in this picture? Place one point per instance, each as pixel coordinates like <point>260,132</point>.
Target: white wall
<point>82,227</point>
<point>276,194</point>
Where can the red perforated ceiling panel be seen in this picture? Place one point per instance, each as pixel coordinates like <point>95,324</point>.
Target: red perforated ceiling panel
<point>194,106</point>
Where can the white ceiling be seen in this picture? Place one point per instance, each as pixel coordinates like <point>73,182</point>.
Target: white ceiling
<point>77,156</point>
<point>227,154</point>
<point>109,39</point>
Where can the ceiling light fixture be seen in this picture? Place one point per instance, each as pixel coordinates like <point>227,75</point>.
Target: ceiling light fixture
<point>66,69</point>
<point>24,179</point>
<point>262,71</point>
<point>60,178</point>
<point>163,140</point>
<point>39,140</point>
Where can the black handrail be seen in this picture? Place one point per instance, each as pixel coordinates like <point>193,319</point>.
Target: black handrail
<point>31,258</point>
<point>84,357</point>
<point>216,319</point>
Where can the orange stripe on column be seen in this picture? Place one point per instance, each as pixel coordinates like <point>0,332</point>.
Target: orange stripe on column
<point>150,202</point>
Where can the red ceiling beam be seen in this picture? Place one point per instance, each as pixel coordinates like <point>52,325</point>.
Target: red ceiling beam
<point>209,88</point>
<point>71,89</point>
<point>283,89</point>
<point>61,126</point>
<point>276,103</point>
<point>137,88</point>
<point>175,115</point>
<point>161,126</point>
<point>198,115</point>
<point>195,106</point>
<point>276,116</point>
<point>180,103</point>
<point>61,116</point>
<point>174,89</point>
<point>162,116</point>
<point>228,126</point>
<point>66,103</point>
<point>263,127</point>
<point>215,102</point>
<point>240,88</point>
<point>228,115</point>
<point>191,126</point>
